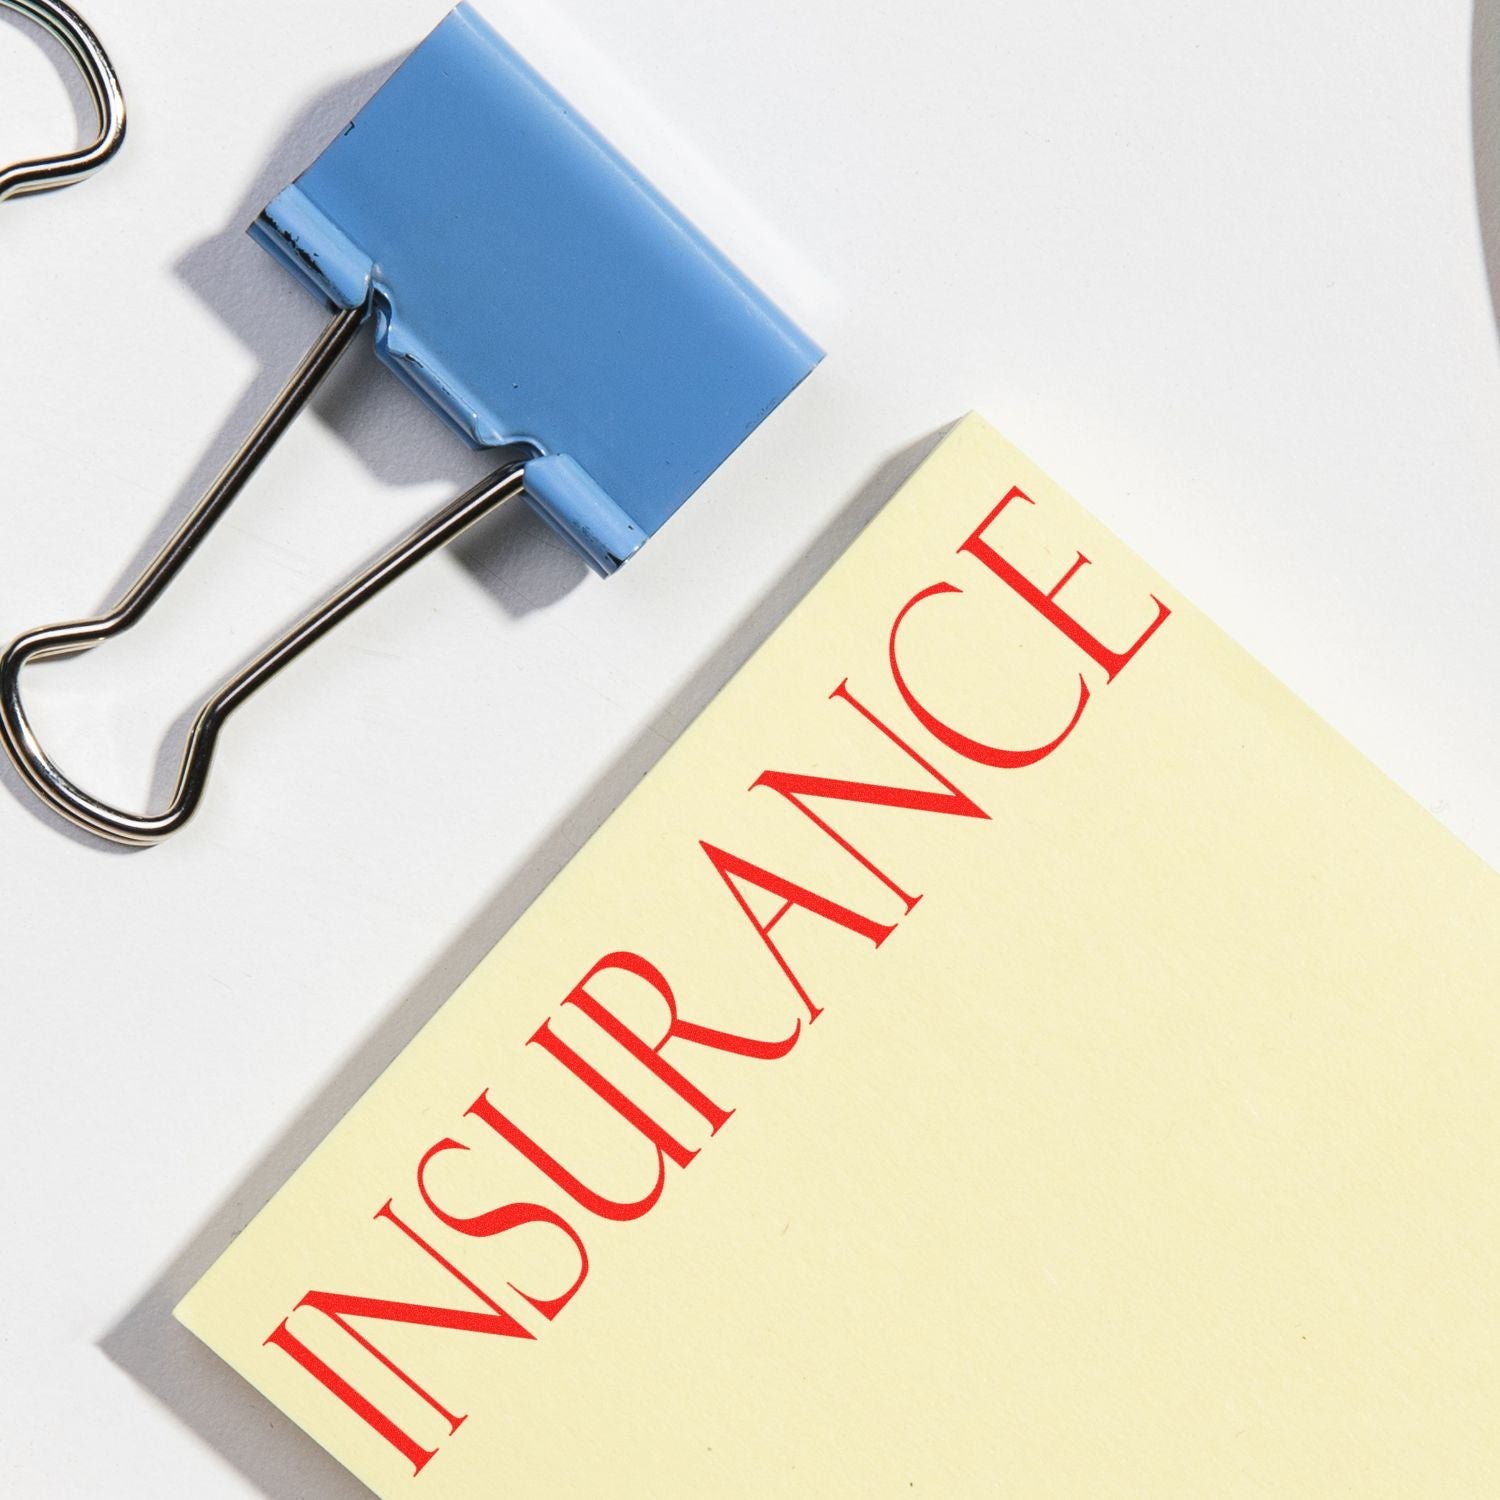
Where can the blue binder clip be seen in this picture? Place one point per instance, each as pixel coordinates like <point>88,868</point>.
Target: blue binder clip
<point>527,283</point>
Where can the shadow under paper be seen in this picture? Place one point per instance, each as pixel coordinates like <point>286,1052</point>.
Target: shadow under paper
<point>266,1447</point>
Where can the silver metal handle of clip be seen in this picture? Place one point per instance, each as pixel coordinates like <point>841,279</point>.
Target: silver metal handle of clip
<point>100,818</point>
<point>42,173</point>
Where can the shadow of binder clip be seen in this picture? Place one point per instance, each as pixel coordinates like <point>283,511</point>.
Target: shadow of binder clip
<point>42,173</point>
<point>525,281</point>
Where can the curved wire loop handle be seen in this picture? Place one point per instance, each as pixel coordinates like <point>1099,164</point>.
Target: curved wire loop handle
<point>43,172</point>
<point>20,741</point>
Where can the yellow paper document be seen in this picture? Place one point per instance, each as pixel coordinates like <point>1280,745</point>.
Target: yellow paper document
<point>1009,1046</point>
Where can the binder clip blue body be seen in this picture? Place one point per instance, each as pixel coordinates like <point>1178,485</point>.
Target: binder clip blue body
<point>529,285</point>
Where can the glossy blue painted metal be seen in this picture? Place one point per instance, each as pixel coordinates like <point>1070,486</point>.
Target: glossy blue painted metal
<point>529,283</point>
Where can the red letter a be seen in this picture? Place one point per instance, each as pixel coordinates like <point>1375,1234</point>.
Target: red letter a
<point>796,786</point>
<point>732,868</point>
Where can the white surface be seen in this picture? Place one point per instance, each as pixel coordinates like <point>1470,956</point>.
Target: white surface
<point>1218,267</point>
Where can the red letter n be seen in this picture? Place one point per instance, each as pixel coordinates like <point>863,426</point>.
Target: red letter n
<point>795,786</point>
<point>340,1307</point>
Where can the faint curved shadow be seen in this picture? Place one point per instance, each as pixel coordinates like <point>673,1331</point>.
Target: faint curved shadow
<point>1484,103</point>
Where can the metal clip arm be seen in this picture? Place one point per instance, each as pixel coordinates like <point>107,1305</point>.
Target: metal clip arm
<point>38,770</point>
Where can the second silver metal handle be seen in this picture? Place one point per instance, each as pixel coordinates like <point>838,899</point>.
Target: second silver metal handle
<point>40,173</point>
